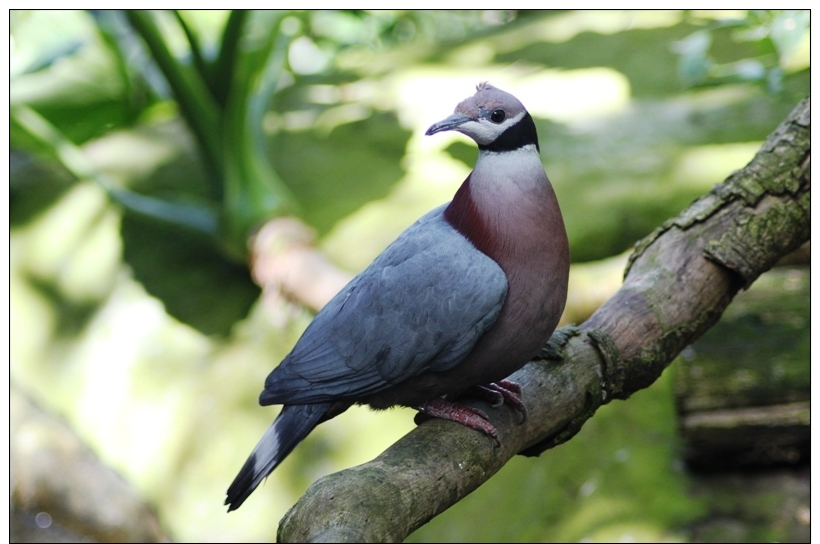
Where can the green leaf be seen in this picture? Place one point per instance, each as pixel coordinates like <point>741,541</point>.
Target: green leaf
<point>335,174</point>
<point>196,104</point>
<point>190,275</point>
<point>223,72</point>
<point>75,82</point>
<point>194,218</point>
<point>196,50</point>
<point>254,192</point>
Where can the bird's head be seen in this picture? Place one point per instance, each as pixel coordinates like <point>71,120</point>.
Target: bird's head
<point>487,115</point>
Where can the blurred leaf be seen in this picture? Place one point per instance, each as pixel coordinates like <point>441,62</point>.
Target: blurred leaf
<point>195,45</point>
<point>254,193</point>
<point>191,277</point>
<point>195,102</point>
<point>43,58</point>
<point>222,73</point>
<point>76,82</point>
<point>336,174</point>
<point>34,185</point>
<point>755,49</point>
<point>170,245</point>
<point>82,95</point>
<point>40,38</point>
<point>195,218</point>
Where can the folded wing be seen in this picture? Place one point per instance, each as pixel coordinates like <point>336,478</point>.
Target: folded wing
<point>419,307</point>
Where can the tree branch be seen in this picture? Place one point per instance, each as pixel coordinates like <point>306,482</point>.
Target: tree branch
<point>678,282</point>
<point>53,472</point>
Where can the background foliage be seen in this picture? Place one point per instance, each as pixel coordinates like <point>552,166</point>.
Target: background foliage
<point>147,146</point>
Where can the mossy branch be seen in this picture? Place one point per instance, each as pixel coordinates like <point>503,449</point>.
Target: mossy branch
<point>678,283</point>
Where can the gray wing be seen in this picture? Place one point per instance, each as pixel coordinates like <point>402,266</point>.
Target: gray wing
<point>420,306</point>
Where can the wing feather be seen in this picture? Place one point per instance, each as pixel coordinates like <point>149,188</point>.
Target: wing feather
<point>419,307</point>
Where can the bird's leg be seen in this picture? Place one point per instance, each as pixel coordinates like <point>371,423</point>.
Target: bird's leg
<point>466,415</point>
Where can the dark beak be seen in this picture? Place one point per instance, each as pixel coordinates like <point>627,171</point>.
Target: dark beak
<point>447,124</point>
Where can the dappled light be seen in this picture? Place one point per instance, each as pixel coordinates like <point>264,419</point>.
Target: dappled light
<point>133,214</point>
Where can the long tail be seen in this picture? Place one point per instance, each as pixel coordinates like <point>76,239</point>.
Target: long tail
<point>292,425</point>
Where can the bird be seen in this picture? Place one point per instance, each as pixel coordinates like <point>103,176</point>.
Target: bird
<point>464,297</point>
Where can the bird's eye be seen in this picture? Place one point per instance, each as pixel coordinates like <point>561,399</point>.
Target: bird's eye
<point>498,116</point>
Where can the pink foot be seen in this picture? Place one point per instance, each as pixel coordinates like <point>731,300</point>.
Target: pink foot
<point>466,415</point>
<point>496,393</point>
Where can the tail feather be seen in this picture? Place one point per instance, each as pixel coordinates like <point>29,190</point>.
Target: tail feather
<point>292,425</point>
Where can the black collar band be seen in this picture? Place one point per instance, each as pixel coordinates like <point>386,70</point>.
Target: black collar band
<point>517,136</point>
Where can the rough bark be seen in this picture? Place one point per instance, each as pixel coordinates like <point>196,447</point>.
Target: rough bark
<point>678,282</point>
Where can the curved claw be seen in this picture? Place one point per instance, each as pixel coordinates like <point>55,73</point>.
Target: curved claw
<point>465,415</point>
<point>488,394</point>
<point>511,392</point>
<point>502,392</point>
